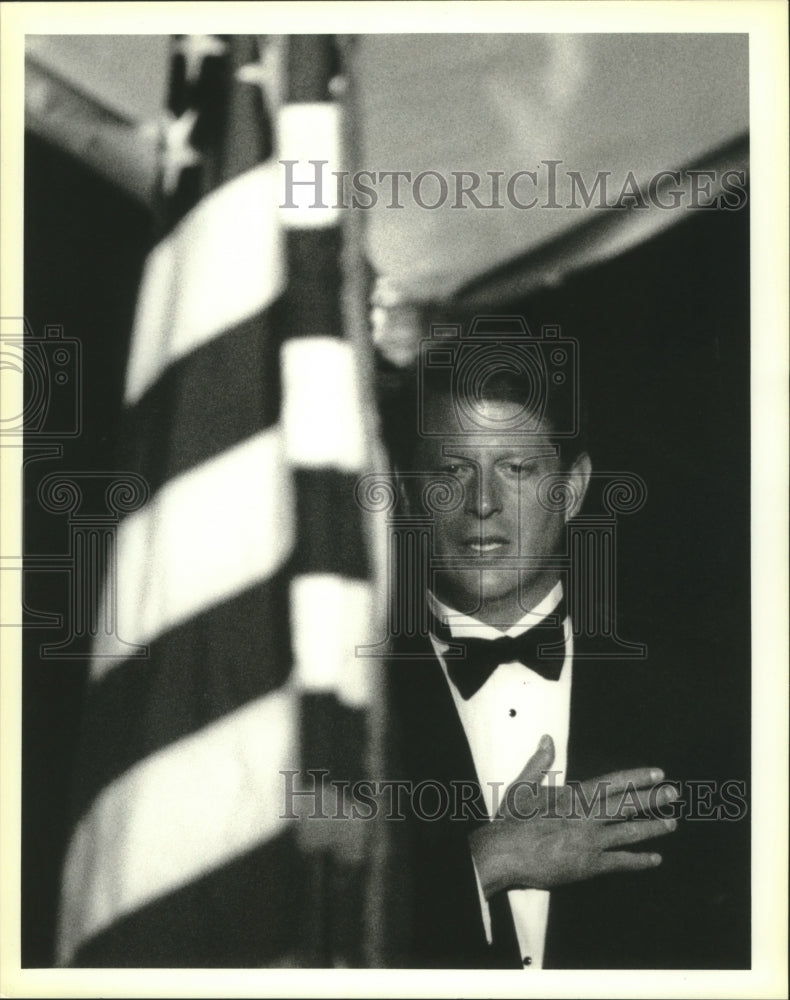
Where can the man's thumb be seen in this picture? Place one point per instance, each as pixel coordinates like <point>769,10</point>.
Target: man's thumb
<point>540,761</point>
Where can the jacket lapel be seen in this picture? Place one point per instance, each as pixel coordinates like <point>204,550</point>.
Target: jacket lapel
<point>611,708</point>
<point>448,926</point>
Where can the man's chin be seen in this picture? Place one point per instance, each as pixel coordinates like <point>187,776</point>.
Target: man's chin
<point>472,592</point>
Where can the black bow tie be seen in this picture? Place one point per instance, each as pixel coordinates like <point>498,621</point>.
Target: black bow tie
<point>479,658</point>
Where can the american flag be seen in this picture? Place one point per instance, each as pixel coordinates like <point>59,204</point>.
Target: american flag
<point>243,585</point>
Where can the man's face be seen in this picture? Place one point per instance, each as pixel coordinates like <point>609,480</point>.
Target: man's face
<point>501,533</point>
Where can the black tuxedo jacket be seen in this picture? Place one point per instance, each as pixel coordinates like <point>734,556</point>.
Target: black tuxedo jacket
<point>690,912</point>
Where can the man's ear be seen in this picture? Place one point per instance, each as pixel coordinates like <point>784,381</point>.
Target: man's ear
<point>579,480</point>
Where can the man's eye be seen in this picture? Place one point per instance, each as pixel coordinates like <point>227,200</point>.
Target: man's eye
<point>520,468</point>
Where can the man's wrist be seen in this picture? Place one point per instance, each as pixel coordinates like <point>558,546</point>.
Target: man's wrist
<point>492,859</point>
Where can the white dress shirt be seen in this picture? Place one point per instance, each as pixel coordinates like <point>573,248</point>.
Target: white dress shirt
<point>503,723</point>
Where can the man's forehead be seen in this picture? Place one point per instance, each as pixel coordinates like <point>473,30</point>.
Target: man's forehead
<point>477,421</point>
<point>493,445</point>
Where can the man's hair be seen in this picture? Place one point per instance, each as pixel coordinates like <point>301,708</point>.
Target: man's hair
<point>399,401</point>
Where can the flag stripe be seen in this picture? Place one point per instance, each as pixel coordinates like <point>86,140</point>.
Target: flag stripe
<point>145,705</point>
<point>179,308</point>
<point>332,734</point>
<point>331,537</point>
<point>310,151</point>
<point>180,813</point>
<point>311,305</point>
<point>311,63</point>
<point>206,535</point>
<point>249,928</point>
<point>181,401</point>
<point>321,412</point>
<point>322,653</point>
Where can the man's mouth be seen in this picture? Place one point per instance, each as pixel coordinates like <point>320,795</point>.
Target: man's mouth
<point>484,546</point>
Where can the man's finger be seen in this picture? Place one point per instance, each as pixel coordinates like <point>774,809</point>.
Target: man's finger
<point>618,781</point>
<point>635,801</point>
<point>539,762</point>
<point>626,861</point>
<point>620,834</point>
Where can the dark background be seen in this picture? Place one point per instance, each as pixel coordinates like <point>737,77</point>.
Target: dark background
<point>664,362</point>
<point>84,247</point>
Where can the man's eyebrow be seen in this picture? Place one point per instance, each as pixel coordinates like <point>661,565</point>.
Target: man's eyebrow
<point>533,452</point>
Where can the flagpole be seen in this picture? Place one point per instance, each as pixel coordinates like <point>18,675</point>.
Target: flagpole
<point>357,287</point>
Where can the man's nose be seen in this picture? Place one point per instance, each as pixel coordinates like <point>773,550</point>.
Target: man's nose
<point>482,496</point>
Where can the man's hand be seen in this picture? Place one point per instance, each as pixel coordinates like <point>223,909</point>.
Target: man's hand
<point>547,836</point>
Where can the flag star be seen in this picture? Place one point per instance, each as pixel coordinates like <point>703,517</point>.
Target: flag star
<point>265,73</point>
<point>196,48</point>
<point>177,153</point>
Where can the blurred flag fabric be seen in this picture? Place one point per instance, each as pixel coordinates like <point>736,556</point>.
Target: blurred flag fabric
<point>244,584</point>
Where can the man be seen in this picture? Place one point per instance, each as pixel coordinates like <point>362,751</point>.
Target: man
<point>525,874</point>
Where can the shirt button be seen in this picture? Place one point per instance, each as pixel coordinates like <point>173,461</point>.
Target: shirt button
<point>527,960</point>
